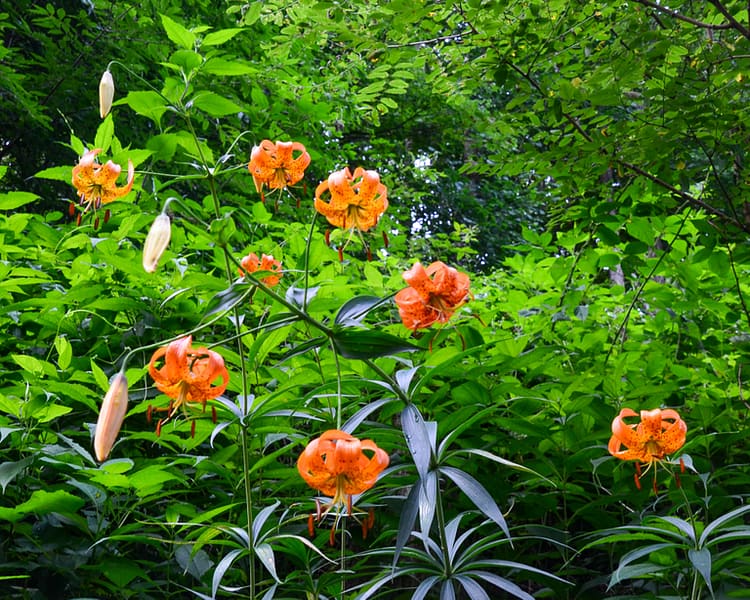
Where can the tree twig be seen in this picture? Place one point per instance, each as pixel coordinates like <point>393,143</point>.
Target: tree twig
<point>679,16</point>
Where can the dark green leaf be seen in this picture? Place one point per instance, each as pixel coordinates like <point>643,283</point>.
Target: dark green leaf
<point>367,343</point>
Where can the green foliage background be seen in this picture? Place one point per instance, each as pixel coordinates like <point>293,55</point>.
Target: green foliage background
<point>584,162</point>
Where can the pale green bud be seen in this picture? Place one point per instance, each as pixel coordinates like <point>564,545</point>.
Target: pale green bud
<point>157,241</point>
<point>106,93</point>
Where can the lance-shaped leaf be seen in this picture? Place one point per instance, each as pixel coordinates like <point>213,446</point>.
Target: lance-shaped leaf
<point>365,343</point>
<point>478,495</point>
<point>353,311</point>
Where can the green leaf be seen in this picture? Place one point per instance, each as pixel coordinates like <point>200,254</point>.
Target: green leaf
<point>101,378</point>
<point>104,134</point>
<point>419,440</point>
<point>56,174</point>
<point>121,571</point>
<point>64,352</point>
<point>222,229</point>
<point>49,412</point>
<point>13,200</point>
<point>177,33</point>
<point>222,567</point>
<point>356,309</point>
<point>719,522</point>
<point>149,104</point>
<point>222,67</point>
<point>227,299</point>
<point>43,502</point>
<point>366,343</point>
<point>215,105</point>
<point>10,470</point>
<point>701,560</point>
<point>150,479</point>
<point>216,38</point>
<point>31,364</point>
<point>476,492</point>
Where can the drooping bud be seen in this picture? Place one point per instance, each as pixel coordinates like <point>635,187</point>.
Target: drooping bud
<point>111,416</point>
<point>106,93</point>
<point>156,242</point>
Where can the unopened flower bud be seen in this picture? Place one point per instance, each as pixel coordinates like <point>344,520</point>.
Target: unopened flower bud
<point>106,93</point>
<point>111,416</point>
<point>157,241</point>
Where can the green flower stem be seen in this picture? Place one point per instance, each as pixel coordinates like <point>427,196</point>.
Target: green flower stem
<point>307,259</point>
<point>210,176</point>
<point>440,516</point>
<point>695,586</point>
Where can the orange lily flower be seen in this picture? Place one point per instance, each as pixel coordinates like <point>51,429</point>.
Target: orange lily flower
<point>433,295</point>
<point>277,165</point>
<point>659,433</point>
<point>97,184</point>
<point>187,375</point>
<point>355,200</point>
<point>251,263</point>
<point>340,465</point>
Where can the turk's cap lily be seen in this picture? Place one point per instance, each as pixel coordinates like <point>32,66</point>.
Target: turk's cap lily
<point>433,295</point>
<point>340,465</point>
<point>111,416</point>
<point>251,263</point>
<point>106,93</point>
<point>156,242</point>
<point>97,183</point>
<point>658,434</point>
<point>277,165</point>
<point>188,374</point>
<point>352,200</point>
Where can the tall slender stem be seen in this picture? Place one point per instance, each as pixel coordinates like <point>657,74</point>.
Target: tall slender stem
<point>244,446</point>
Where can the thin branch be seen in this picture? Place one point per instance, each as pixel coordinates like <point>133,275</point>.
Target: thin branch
<point>689,198</point>
<point>683,195</point>
<point>623,325</point>
<point>681,17</point>
<point>442,38</point>
<point>733,22</point>
<point>737,284</point>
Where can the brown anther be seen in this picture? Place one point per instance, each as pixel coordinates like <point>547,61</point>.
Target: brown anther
<point>96,223</point>
<point>332,537</point>
<point>637,480</point>
<point>682,465</point>
<point>107,215</point>
<point>78,219</point>
<point>311,525</point>
<point>71,209</point>
<point>369,254</point>
<point>158,427</point>
<point>213,414</point>
<point>328,237</point>
<point>341,254</point>
<point>262,197</point>
<point>192,429</point>
<point>149,412</point>
<point>677,480</point>
<point>385,239</point>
